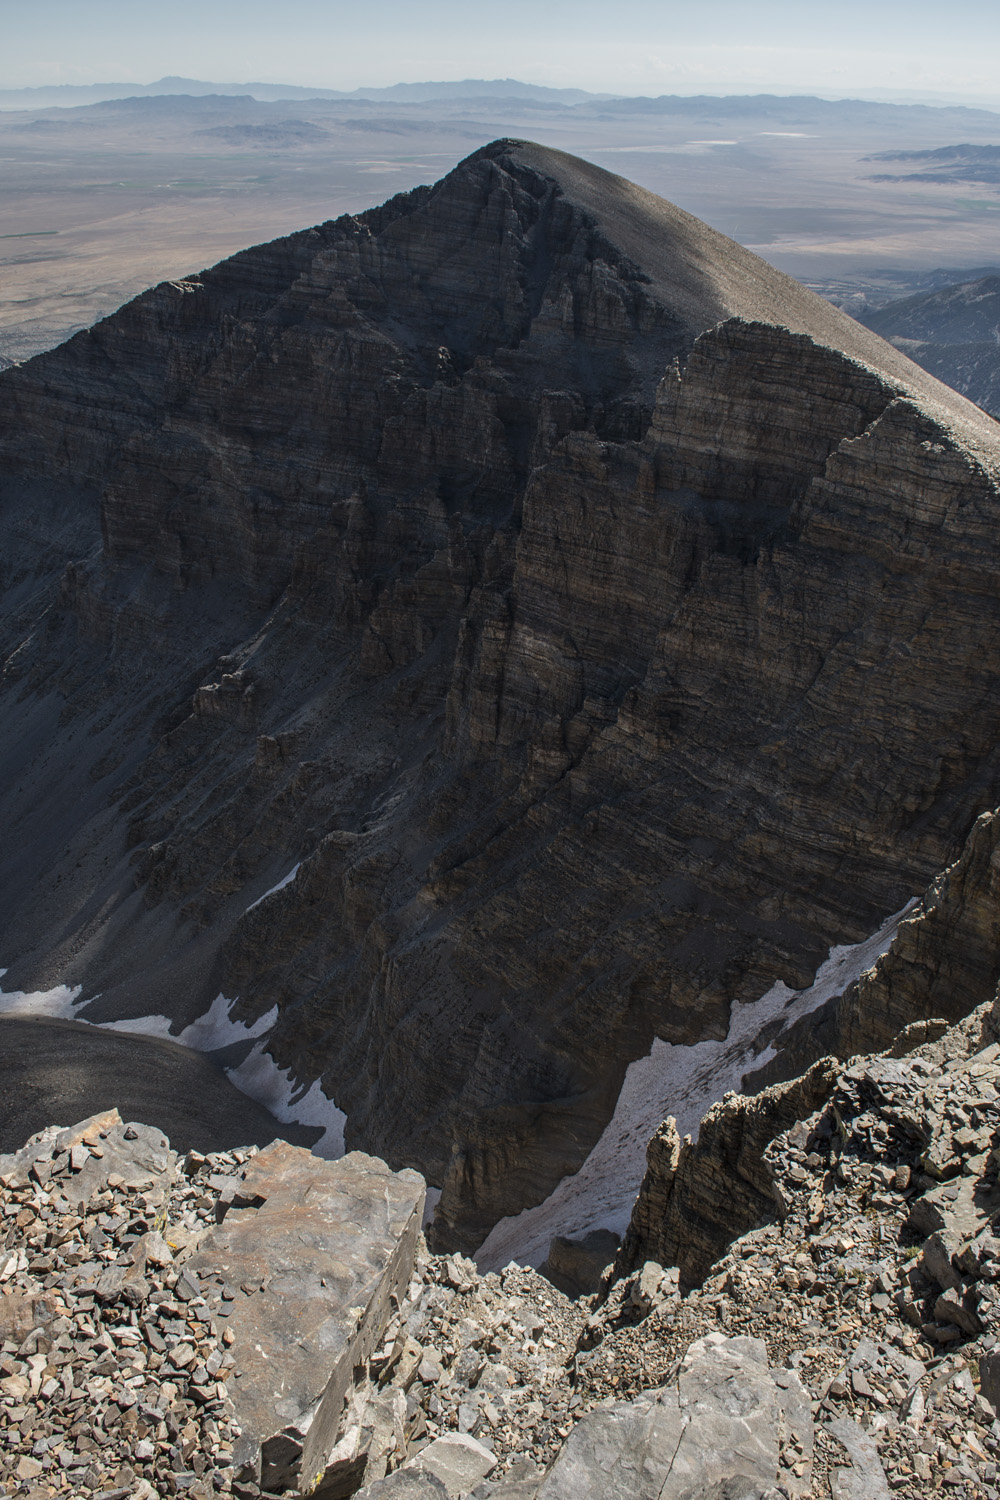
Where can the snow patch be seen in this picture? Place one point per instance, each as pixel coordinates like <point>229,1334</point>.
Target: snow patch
<point>279,887</point>
<point>680,1081</point>
<point>59,1002</point>
<point>260,1078</point>
<point>207,1034</point>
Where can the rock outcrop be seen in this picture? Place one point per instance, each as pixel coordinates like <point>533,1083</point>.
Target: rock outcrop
<point>695,1195</point>
<point>943,961</point>
<point>719,1431</point>
<point>942,966</point>
<point>845,1346</point>
<point>303,1270</point>
<point>285,1299</point>
<point>599,625</point>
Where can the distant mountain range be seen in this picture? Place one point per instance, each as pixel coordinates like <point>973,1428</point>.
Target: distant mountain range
<point>797,108</point>
<point>957,164</point>
<point>411,93</point>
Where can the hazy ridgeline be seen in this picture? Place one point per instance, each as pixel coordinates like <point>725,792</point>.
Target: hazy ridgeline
<point>103,199</point>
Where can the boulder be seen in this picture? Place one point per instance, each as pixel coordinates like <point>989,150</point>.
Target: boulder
<point>405,1484</point>
<point>652,1287</point>
<point>309,1258</point>
<point>721,1426</point>
<point>457,1460</point>
<point>865,1479</point>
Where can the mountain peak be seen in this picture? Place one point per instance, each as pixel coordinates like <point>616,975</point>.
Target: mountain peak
<point>497,636</point>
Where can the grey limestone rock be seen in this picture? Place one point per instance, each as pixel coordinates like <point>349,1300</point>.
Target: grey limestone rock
<point>717,1432</point>
<point>458,1460</point>
<point>316,1264</point>
<point>405,1484</point>
<point>652,1286</point>
<point>943,963</point>
<point>865,1479</point>
<point>989,1378</point>
<point>41,1152</point>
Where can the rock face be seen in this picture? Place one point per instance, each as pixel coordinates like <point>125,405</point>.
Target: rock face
<point>693,1196</point>
<point>831,1352</point>
<point>598,625</point>
<point>575,1266</point>
<point>284,1300</point>
<point>942,967</point>
<point>943,961</point>
<point>718,1432</point>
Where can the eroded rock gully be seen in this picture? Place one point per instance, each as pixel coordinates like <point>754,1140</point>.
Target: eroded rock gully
<point>600,623</point>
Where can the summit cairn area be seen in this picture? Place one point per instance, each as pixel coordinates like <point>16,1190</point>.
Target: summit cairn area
<point>160,1338</point>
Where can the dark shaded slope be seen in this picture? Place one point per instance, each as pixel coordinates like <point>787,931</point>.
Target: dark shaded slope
<point>63,1071</point>
<point>953,333</point>
<point>600,622</point>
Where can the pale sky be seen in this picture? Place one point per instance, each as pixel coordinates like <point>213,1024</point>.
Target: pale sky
<point>631,46</point>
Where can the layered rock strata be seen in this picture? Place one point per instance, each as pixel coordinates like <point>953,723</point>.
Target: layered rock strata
<point>942,965</point>
<point>597,624</point>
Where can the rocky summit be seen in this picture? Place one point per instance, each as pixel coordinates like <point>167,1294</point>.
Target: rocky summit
<point>483,636</point>
<point>261,1323</point>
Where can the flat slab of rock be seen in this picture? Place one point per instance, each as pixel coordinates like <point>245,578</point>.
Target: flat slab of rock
<point>865,1479</point>
<point>301,1271</point>
<point>457,1460</point>
<point>405,1484</point>
<point>722,1422</point>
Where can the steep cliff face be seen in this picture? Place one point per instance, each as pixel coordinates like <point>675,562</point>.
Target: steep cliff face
<point>599,625</point>
<point>942,967</point>
<point>943,961</point>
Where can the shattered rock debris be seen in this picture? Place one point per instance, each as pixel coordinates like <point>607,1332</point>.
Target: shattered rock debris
<point>261,1322</point>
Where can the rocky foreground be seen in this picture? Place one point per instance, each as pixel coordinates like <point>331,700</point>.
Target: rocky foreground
<point>261,1322</point>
